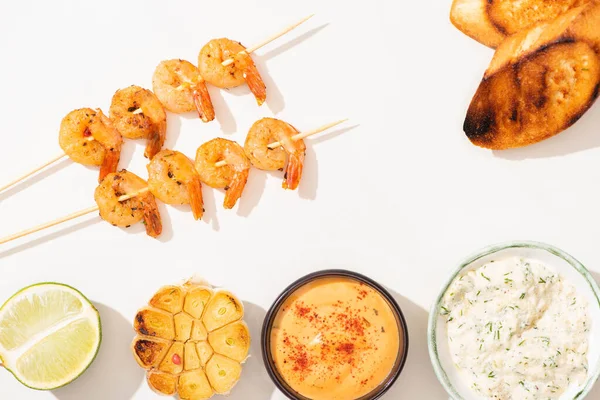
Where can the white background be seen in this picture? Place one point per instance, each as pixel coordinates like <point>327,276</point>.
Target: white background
<point>398,193</point>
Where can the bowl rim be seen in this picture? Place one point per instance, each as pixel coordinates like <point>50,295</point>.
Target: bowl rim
<point>282,297</point>
<point>433,313</point>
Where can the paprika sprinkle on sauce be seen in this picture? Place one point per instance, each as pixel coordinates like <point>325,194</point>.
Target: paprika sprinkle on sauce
<point>335,339</point>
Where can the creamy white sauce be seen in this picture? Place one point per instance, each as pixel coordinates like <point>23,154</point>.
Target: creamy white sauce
<point>517,330</point>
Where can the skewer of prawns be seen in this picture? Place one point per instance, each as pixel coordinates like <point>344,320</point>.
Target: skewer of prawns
<point>106,194</point>
<point>224,63</point>
<point>191,85</point>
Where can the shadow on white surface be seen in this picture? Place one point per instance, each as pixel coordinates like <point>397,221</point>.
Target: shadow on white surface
<point>223,113</point>
<point>583,135</point>
<point>595,392</point>
<point>32,180</point>
<point>417,380</point>
<point>254,384</point>
<point>310,176</point>
<point>167,225</point>
<point>114,374</point>
<point>275,100</point>
<point>47,237</point>
<point>128,150</point>
<point>330,135</point>
<point>596,276</point>
<point>255,187</point>
<point>292,43</point>
<point>173,129</point>
<point>210,207</point>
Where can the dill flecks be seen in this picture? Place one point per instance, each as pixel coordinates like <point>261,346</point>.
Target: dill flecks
<point>489,325</point>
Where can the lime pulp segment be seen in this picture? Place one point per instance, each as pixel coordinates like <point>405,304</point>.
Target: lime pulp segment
<point>49,334</point>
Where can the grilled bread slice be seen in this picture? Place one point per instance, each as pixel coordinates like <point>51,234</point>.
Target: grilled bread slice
<point>540,82</point>
<point>491,21</point>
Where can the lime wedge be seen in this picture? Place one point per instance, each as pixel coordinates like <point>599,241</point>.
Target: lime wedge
<point>49,334</point>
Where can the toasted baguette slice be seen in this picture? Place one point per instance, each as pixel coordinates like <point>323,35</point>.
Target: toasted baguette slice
<point>472,19</point>
<point>540,82</point>
<point>491,21</point>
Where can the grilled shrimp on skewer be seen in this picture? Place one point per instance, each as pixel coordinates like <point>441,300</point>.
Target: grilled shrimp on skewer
<point>232,177</point>
<point>137,113</point>
<point>127,212</point>
<point>235,74</point>
<point>180,88</point>
<point>173,179</point>
<point>270,130</point>
<point>104,150</point>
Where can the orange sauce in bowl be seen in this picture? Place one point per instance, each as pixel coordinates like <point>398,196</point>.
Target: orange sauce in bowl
<point>335,339</point>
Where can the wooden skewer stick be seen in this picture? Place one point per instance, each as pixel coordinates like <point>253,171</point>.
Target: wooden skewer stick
<point>187,84</point>
<point>269,40</point>
<point>48,224</point>
<point>134,194</point>
<point>33,171</point>
<point>297,136</point>
<point>36,169</point>
<point>66,218</point>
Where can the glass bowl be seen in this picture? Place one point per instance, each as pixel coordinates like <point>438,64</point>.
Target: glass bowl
<point>556,259</point>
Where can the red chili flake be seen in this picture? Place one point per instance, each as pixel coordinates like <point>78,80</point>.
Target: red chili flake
<point>301,359</point>
<point>333,351</point>
<point>347,348</point>
<point>87,132</point>
<point>302,311</point>
<point>314,317</point>
<point>176,359</point>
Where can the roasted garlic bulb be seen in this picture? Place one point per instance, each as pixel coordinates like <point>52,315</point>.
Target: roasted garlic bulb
<point>191,340</point>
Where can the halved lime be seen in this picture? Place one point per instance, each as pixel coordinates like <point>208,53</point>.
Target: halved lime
<point>49,334</point>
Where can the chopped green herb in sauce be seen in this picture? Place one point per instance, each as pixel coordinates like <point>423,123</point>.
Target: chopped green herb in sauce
<point>522,330</point>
